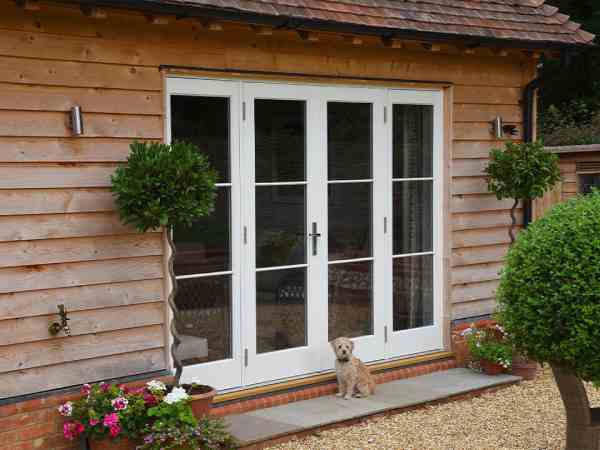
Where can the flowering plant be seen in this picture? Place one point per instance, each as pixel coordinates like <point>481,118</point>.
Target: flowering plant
<point>489,343</point>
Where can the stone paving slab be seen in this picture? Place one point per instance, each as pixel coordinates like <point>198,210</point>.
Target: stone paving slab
<point>269,423</point>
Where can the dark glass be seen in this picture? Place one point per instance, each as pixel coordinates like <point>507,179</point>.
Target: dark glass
<point>204,121</point>
<point>413,216</point>
<point>350,299</point>
<point>204,247</point>
<point>280,140</point>
<point>349,140</point>
<point>413,292</point>
<point>413,141</point>
<point>280,309</point>
<point>349,220</point>
<point>589,181</point>
<point>280,226</point>
<point>203,319</point>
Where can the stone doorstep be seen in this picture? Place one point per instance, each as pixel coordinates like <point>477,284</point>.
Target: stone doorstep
<point>258,429</point>
<point>314,391</point>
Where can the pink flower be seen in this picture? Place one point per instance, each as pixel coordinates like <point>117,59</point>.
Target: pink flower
<point>123,388</point>
<point>104,386</point>
<point>86,389</point>
<point>110,420</point>
<point>120,403</point>
<point>94,421</point>
<point>72,429</point>
<point>150,399</point>
<point>114,430</point>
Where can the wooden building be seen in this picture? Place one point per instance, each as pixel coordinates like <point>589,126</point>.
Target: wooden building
<point>350,138</point>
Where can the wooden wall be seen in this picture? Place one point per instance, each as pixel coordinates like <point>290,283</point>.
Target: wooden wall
<point>60,238</point>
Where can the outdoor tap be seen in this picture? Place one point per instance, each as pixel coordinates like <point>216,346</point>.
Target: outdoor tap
<point>55,327</point>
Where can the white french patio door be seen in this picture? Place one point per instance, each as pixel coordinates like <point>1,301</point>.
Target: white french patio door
<point>414,247</point>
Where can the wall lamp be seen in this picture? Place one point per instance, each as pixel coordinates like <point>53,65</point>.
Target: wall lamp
<point>499,129</point>
<point>76,121</point>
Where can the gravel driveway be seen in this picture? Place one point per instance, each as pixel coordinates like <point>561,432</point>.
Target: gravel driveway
<point>529,416</point>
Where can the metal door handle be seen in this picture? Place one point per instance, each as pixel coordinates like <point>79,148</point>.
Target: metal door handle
<point>314,235</point>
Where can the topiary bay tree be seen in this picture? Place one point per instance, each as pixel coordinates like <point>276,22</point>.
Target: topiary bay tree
<point>549,302</point>
<point>522,171</point>
<point>165,186</point>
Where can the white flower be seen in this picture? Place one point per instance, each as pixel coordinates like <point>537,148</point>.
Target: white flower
<point>156,385</point>
<point>66,409</point>
<point>466,331</point>
<point>176,395</point>
<point>120,403</point>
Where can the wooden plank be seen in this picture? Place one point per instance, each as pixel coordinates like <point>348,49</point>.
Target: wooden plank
<point>474,309</point>
<point>477,238</point>
<point>39,354</point>
<point>79,274</point>
<point>481,131</point>
<point>540,206</point>
<point>54,226</point>
<point>474,291</point>
<point>469,167</point>
<point>487,113</point>
<point>67,73</point>
<point>52,251</point>
<point>469,185</point>
<point>50,201</point>
<point>64,175</point>
<point>477,203</point>
<point>474,149</point>
<point>108,101</point>
<point>44,149</point>
<point>488,95</point>
<point>81,298</point>
<point>476,273</point>
<point>29,381</point>
<point>32,329</point>
<point>477,255</point>
<point>55,124</point>
<point>485,219</point>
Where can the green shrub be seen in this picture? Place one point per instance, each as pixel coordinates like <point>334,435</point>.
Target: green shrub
<point>164,186</point>
<point>549,293</point>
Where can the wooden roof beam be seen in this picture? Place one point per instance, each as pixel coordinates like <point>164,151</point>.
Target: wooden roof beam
<point>28,5</point>
<point>211,25</point>
<point>261,30</point>
<point>94,12</point>
<point>431,47</point>
<point>157,19</point>
<point>392,43</point>
<point>308,36</point>
<point>354,40</point>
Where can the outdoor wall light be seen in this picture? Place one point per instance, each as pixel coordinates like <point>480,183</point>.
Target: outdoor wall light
<point>76,121</point>
<point>500,130</point>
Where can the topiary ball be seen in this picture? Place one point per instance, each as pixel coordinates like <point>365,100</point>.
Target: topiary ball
<point>549,292</point>
<point>164,186</point>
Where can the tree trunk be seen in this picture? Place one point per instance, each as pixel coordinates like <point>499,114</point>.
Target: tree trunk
<point>582,432</point>
<point>173,306</point>
<point>511,230</point>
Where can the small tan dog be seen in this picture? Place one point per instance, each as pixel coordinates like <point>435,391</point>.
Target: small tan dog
<point>354,378</point>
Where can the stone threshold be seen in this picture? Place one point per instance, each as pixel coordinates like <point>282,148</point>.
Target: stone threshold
<point>261,428</point>
<point>410,368</point>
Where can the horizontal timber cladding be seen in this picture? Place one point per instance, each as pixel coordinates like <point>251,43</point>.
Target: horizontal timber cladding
<point>61,240</point>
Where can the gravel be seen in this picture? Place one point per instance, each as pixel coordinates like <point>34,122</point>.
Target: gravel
<point>528,416</point>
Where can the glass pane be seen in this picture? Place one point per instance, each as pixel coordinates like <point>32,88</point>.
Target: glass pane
<point>203,121</point>
<point>349,220</point>
<point>413,141</point>
<point>350,300</point>
<point>280,226</point>
<point>413,292</point>
<point>203,319</point>
<point>349,140</point>
<point>280,309</point>
<point>280,127</point>
<point>204,247</point>
<point>413,216</point>
<point>588,182</point>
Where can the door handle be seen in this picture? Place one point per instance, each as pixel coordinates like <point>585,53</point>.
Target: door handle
<point>314,235</point>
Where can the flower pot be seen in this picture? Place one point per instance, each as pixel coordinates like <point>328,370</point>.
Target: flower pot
<point>202,397</point>
<point>524,368</point>
<point>111,444</point>
<point>491,368</point>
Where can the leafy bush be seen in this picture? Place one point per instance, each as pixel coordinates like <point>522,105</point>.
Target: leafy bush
<point>549,294</point>
<point>489,343</point>
<point>164,186</point>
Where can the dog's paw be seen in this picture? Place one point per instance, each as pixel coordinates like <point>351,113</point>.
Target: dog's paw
<point>339,394</point>
<point>347,397</point>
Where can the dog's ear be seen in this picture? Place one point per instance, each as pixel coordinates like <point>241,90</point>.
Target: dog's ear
<point>352,345</point>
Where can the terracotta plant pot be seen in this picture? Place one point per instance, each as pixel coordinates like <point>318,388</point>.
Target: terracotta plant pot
<point>524,368</point>
<point>110,444</point>
<point>202,397</point>
<point>491,368</point>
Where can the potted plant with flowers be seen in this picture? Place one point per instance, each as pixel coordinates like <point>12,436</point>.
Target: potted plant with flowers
<point>152,417</point>
<point>164,186</point>
<point>490,348</point>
